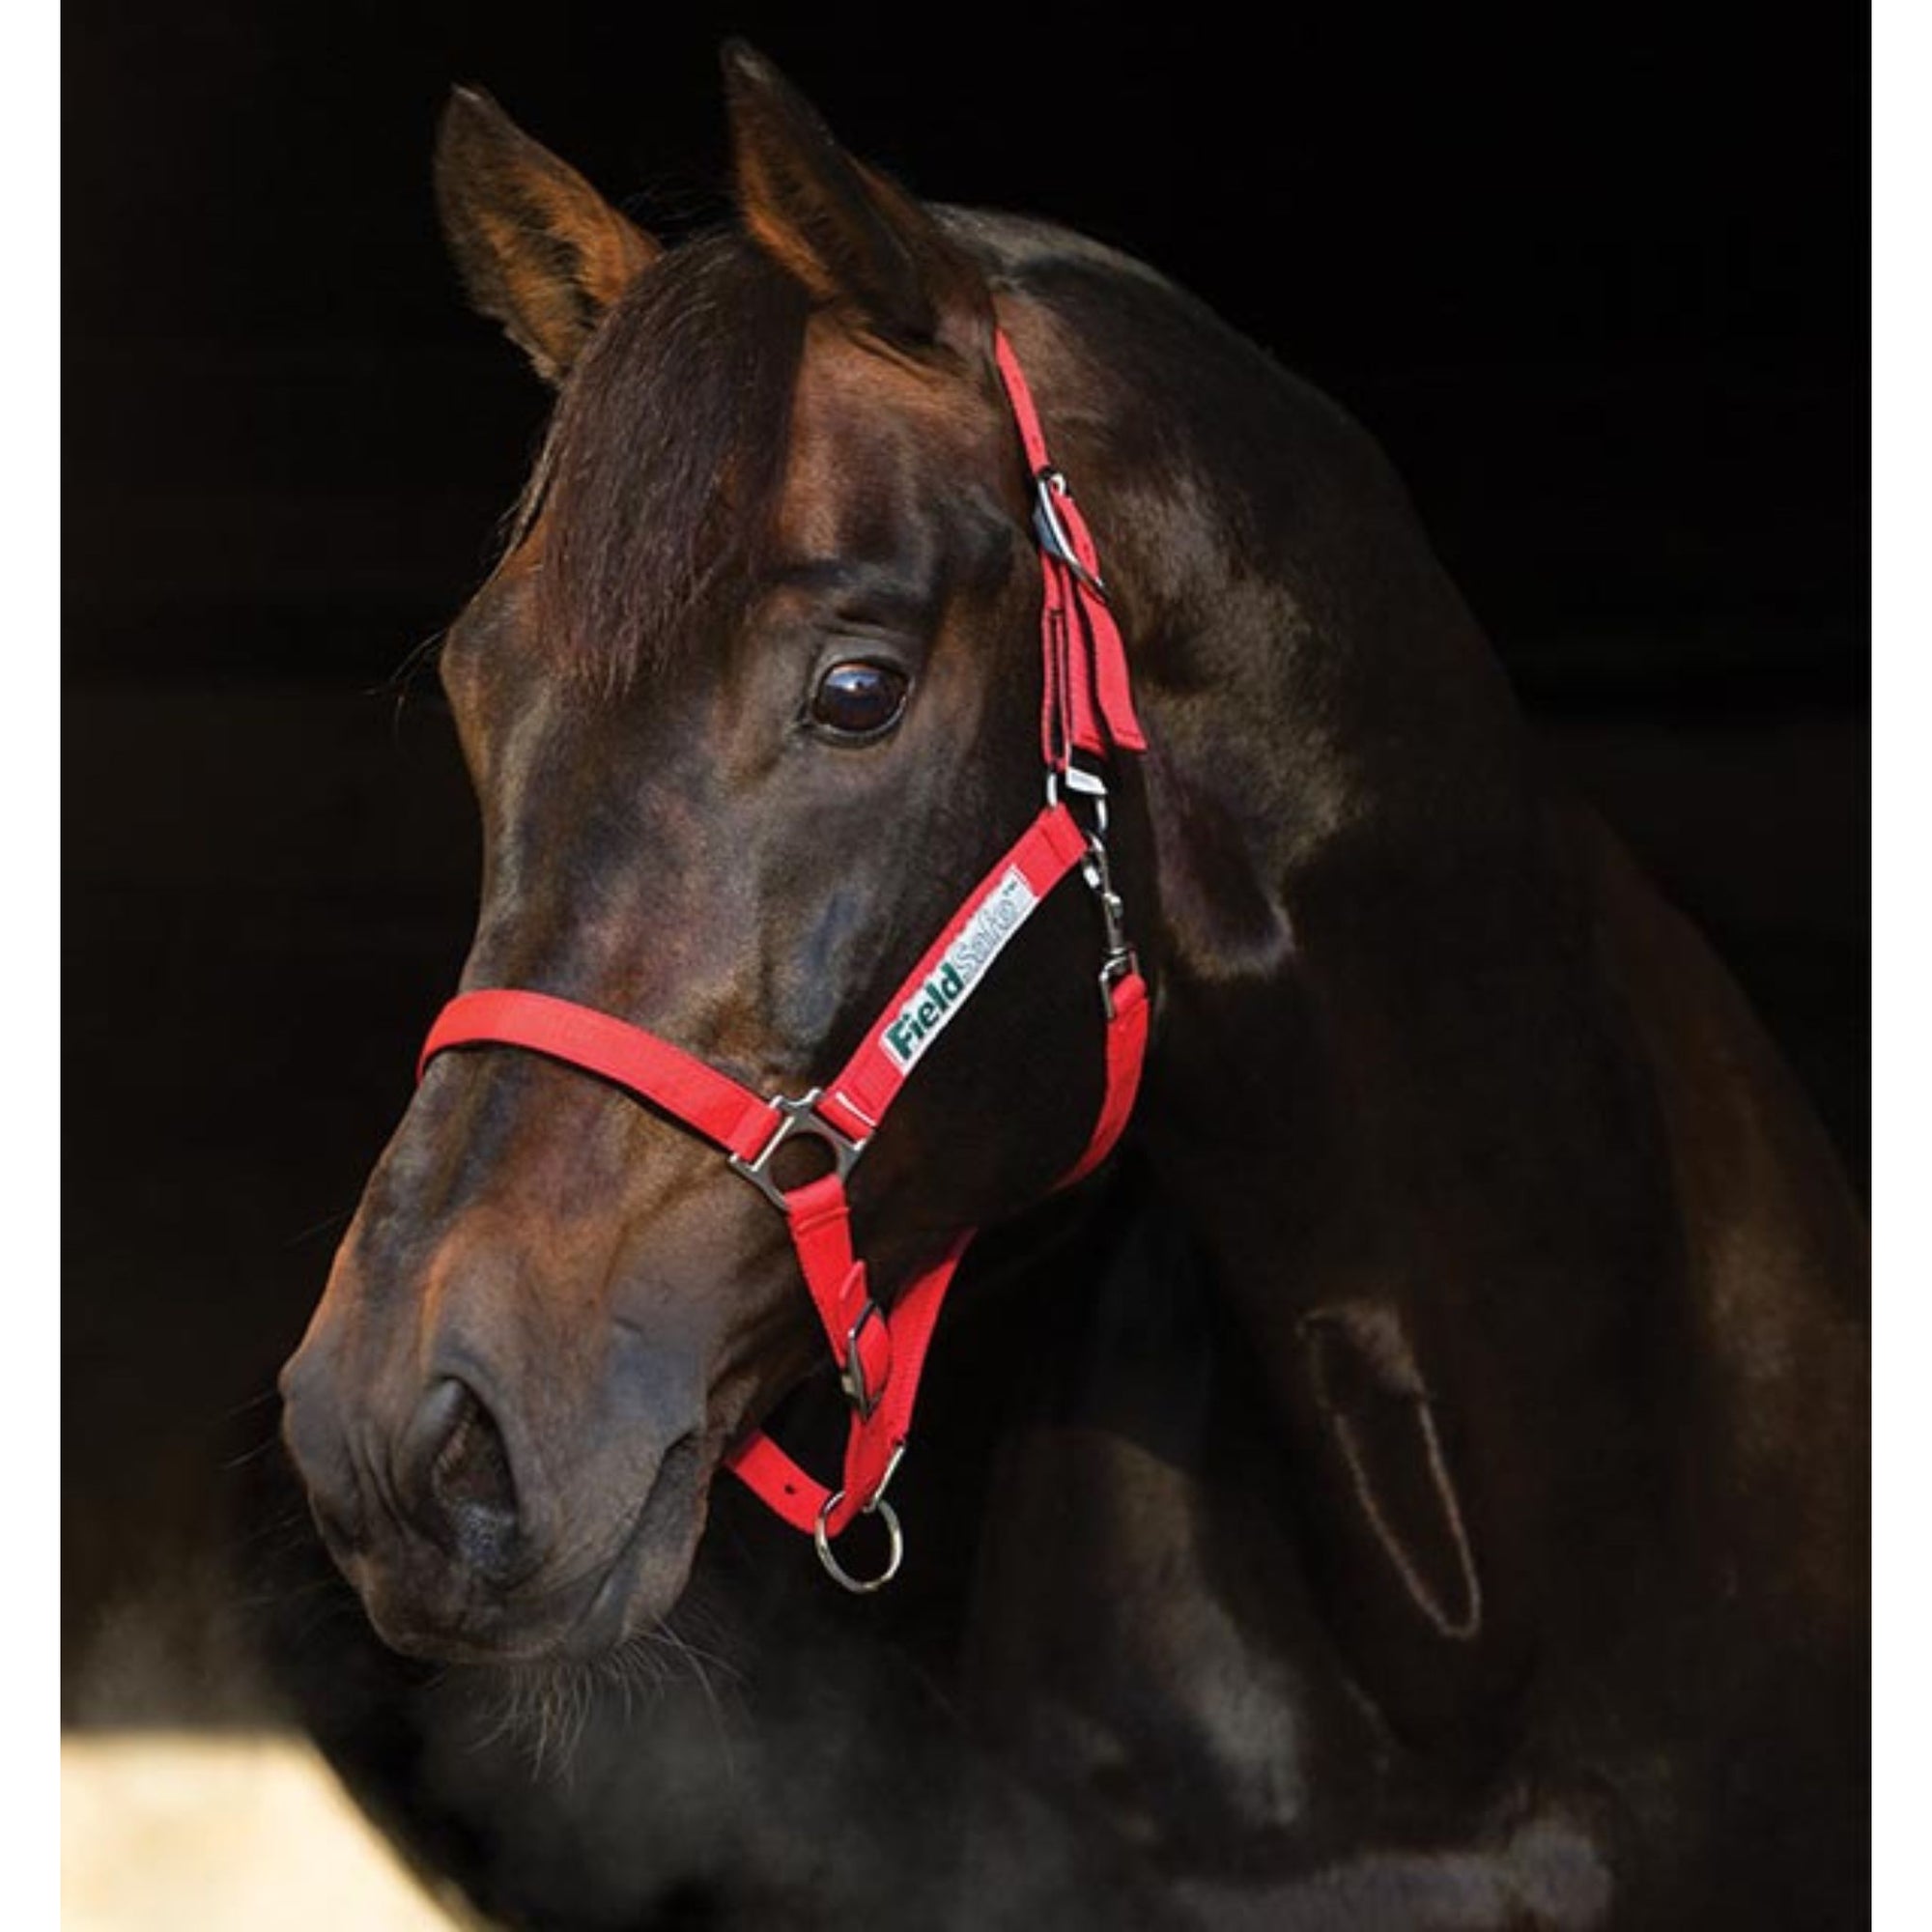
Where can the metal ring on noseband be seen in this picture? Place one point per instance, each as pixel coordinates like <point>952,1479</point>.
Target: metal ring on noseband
<point>860,1586</point>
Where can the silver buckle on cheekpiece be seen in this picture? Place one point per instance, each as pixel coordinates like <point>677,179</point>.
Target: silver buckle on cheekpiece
<point>852,1370</point>
<point>1050,530</point>
<point>1082,783</point>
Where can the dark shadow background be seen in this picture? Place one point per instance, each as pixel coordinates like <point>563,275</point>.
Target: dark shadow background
<point>1597,282</point>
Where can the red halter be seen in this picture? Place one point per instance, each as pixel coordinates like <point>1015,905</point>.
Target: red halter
<point>1088,707</point>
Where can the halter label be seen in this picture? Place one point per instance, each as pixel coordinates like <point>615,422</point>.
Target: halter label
<point>929,1011</point>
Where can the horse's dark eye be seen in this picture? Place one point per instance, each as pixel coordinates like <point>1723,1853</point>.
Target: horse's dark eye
<point>858,699</point>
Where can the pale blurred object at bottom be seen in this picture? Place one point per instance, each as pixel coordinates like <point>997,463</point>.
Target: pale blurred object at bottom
<point>216,1833</point>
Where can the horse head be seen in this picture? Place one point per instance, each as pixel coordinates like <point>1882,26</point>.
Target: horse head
<point>1516,1281</point>
<point>749,703</point>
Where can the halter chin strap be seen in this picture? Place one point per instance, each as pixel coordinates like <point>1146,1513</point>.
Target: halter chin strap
<point>1087,709</point>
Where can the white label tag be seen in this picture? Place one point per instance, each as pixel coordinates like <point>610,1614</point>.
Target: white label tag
<point>928,1012</point>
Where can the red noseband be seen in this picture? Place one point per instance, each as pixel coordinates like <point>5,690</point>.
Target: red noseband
<point>1088,707</point>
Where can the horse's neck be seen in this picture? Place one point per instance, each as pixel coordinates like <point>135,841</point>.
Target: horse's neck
<point>1379,989</point>
<point>1411,1082</point>
<point>1391,1085</point>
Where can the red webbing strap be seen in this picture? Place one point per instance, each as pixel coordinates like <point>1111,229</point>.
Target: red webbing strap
<point>1019,399</point>
<point>778,1481</point>
<point>1126,1052</point>
<point>1089,701</point>
<point>1081,631</point>
<point>709,1102</point>
<point>893,1350</point>
<point>821,1231</point>
<point>951,969</point>
<point>872,1441</point>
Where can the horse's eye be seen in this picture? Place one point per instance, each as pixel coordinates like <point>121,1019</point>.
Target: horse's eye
<point>858,700</point>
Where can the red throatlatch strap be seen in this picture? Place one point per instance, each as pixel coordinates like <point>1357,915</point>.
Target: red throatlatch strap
<point>710,1102</point>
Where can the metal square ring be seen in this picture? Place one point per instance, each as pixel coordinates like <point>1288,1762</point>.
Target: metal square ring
<point>797,1117</point>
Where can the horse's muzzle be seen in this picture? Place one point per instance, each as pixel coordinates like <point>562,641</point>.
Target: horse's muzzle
<point>441,1525</point>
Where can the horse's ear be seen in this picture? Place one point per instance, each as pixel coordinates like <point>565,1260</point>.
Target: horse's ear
<point>537,246</point>
<point>846,233</point>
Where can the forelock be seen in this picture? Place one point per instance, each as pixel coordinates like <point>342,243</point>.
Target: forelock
<point>655,493</point>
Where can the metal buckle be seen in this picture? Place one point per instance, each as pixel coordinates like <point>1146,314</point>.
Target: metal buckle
<point>852,1371</point>
<point>796,1117</point>
<point>1085,785</point>
<point>1051,531</point>
<point>1117,967</point>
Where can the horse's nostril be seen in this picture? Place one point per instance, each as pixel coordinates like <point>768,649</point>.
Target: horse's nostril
<point>458,1478</point>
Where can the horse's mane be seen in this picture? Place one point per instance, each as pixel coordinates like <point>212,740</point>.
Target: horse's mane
<point>656,481</point>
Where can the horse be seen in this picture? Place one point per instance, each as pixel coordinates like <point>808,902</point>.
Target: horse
<point>1397,1454</point>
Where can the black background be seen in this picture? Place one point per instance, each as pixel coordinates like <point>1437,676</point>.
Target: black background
<point>1595,276</point>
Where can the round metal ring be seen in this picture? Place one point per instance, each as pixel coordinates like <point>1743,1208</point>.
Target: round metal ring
<point>860,1586</point>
